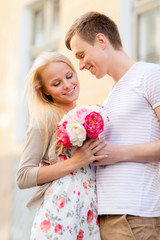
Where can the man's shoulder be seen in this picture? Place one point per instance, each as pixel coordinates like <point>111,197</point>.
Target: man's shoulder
<point>149,67</point>
<point>152,72</point>
<point>145,70</point>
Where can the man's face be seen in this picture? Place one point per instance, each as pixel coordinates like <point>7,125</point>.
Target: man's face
<point>90,57</point>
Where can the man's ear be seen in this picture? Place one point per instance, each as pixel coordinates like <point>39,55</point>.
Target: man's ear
<point>101,40</point>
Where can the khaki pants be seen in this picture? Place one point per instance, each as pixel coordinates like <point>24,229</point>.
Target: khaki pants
<point>128,227</point>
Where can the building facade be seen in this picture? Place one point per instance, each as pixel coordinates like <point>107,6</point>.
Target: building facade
<point>28,27</point>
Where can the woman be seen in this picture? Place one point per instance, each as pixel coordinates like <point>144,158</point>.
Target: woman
<point>67,188</point>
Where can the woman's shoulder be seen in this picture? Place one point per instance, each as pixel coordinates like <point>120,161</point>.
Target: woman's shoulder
<point>40,129</point>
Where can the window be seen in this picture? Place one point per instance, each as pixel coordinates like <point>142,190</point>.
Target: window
<point>40,31</point>
<point>56,22</point>
<point>147,34</point>
<point>38,24</point>
<point>45,27</point>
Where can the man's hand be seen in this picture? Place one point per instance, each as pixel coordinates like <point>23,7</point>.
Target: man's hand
<point>112,152</point>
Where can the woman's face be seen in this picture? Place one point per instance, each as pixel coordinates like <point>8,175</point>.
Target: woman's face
<point>61,83</point>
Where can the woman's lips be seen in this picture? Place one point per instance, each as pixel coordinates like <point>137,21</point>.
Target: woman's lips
<point>70,92</point>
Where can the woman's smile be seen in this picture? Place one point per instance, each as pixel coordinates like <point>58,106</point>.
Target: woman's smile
<point>70,92</point>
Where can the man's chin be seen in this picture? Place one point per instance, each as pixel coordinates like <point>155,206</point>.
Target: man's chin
<point>99,76</point>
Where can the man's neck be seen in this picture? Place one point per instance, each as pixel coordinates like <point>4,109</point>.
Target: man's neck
<point>120,65</point>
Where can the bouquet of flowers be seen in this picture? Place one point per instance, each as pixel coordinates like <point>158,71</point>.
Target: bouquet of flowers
<point>80,124</point>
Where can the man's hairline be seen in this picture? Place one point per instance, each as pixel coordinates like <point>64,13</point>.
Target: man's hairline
<point>78,34</point>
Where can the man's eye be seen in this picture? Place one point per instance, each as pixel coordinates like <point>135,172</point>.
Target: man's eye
<point>81,56</point>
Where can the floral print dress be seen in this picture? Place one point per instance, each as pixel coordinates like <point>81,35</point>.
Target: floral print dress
<point>69,209</point>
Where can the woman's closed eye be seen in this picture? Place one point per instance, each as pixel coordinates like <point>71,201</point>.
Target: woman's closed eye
<point>56,84</point>
<point>69,76</point>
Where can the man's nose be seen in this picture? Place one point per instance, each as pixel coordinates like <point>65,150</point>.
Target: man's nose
<point>81,65</point>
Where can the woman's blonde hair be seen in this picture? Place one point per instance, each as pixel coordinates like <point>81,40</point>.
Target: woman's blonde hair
<point>43,112</point>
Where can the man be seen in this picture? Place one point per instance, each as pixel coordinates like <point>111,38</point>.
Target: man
<point>128,187</point>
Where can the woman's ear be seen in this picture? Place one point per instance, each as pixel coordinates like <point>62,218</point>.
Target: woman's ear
<point>101,40</point>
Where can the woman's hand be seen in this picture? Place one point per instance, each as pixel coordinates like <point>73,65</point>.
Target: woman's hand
<point>82,157</point>
<point>87,153</point>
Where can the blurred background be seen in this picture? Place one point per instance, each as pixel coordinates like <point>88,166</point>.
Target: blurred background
<point>28,27</point>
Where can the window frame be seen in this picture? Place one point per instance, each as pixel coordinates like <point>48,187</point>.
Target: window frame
<point>140,7</point>
<point>49,44</point>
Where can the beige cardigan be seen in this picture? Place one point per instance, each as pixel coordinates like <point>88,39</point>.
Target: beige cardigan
<point>30,161</point>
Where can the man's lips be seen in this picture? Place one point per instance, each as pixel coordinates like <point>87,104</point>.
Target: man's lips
<point>91,69</point>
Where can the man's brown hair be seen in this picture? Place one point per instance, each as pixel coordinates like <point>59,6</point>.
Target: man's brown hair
<point>88,25</point>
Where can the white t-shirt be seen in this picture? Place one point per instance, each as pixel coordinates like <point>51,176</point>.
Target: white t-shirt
<point>130,187</point>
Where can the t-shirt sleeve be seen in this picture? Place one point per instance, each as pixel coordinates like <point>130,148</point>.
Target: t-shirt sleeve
<point>30,159</point>
<point>151,86</point>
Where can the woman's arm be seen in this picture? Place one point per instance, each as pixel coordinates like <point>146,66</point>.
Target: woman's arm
<point>82,157</point>
<point>30,173</point>
<point>30,159</point>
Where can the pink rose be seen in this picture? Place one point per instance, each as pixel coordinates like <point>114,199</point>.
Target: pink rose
<point>81,114</point>
<point>58,229</point>
<point>45,225</point>
<point>42,203</point>
<point>80,235</point>
<point>62,157</point>
<point>97,222</point>
<point>99,106</point>
<point>60,202</point>
<point>85,185</point>
<point>94,124</point>
<point>62,135</point>
<point>90,216</point>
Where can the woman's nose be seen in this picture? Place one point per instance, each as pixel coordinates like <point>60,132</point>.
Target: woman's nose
<point>66,84</point>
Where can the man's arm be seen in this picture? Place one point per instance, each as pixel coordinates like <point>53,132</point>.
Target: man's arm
<point>142,153</point>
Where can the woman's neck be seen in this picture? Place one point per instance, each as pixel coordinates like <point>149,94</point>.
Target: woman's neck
<point>67,108</point>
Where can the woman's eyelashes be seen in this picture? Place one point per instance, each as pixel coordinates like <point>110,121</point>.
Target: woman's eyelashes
<point>56,84</point>
<point>69,76</point>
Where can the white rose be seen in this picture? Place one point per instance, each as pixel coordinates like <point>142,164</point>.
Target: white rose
<point>76,133</point>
